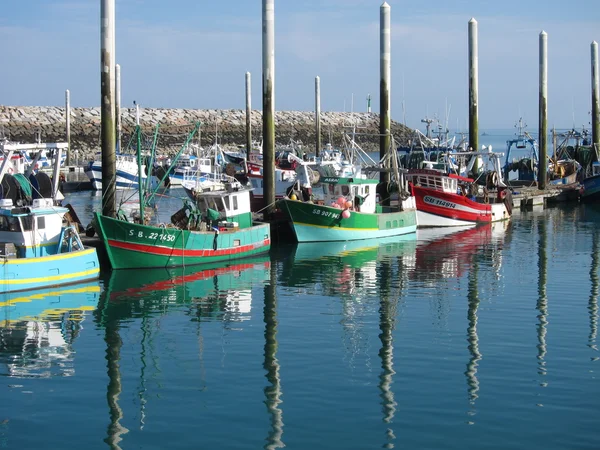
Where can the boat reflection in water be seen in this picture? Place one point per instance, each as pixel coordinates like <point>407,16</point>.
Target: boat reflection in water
<point>367,275</point>
<point>447,253</point>
<point>222,291</point>
<point>344,268</point>
<point>476,252</point>
<point>38,328</point>
<point>210,292</point>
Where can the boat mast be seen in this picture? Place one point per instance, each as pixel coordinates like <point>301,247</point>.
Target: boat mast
<point>139,162</point>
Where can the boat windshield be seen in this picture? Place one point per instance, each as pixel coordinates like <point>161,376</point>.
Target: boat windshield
<point>9,224</point>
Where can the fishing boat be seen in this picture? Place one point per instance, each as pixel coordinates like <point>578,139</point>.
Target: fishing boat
<point>591,184</point>
<point>445,199</point>
<point>126,172</point>
<point>216,226</point>
<point>349,211</point>
<point>38,247</point>
<point>525,166</point>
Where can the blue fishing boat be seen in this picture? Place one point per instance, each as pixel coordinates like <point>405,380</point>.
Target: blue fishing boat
<point>591,184</point>
<point>37,250</point>
<point>38,246</point>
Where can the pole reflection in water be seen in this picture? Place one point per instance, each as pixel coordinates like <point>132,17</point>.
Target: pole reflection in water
<point>142,389</point>
<point>542,303</point>
<point>472,337</point>
<point>388,309</point>
<point>593,304</point>
<point>271,365</point>
<point>113,355</point>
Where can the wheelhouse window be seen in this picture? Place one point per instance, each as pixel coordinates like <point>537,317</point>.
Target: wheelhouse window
<point>41,223</point>
<point>27,223</point>
<point>235,202</point>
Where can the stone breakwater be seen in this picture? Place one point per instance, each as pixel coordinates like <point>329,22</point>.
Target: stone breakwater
<point>26,123</point>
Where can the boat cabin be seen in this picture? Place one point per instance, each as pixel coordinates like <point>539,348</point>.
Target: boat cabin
<point>230,206</point>
<point>434,179</point>
<point>36,230</point>
<point>360,193</point>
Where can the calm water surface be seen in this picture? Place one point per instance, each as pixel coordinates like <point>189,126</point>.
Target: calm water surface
<point>482,338</point>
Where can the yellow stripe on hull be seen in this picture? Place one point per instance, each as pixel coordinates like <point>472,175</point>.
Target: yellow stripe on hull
<point>41,296</point>
<point>67,276</point>
<point>42,259</point>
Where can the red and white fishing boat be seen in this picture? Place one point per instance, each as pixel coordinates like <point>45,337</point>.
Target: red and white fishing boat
<point>445,199</point>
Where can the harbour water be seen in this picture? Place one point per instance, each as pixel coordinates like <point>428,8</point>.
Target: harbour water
<point>480,338</point>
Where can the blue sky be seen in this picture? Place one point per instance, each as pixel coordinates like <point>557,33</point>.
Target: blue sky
<point>194,54</point>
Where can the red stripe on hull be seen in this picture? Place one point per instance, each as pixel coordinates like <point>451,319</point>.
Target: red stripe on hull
<point>175,252</point>
<point>181,279</point>
<point>452,206</point>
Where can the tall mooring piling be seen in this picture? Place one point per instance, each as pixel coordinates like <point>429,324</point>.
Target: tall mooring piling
<point>317,116</point>
<point>68,125</point>
<point>248,115</point>
<point>107,109</point>
<point>268,57</point>
<point>543,112</point>
<point>118,125</point>
<point>595,96</point>
<point>473,87</point>
<point>385,68</point>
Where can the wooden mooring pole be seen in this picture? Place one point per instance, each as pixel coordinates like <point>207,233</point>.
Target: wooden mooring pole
<point>268,56</point>
<point>385,68</point>
<point>543,112</point>
<point>473,88</point>
<point>248,115</point>
<point>317,116</point>
<point>107,110</point>
<point>68,125</point>
<point>119,128</point>
<point>595,97</point>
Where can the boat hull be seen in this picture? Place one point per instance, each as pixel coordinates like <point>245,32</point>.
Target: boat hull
<point>133,246</point>
<point>20,274</point>
<point>442,209</point>
<point>127,177</point>
<point>316,223</point>
<point>591,188</point>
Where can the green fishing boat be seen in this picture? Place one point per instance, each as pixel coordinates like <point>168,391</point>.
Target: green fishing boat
<point>217,226</point>
<point>347,210</point>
